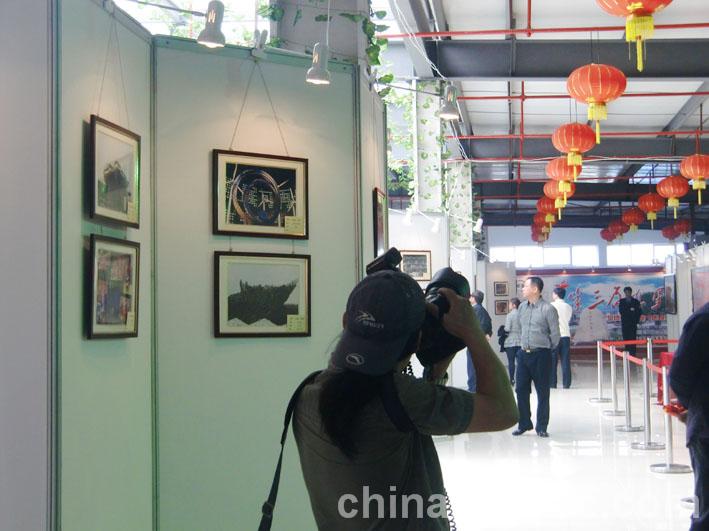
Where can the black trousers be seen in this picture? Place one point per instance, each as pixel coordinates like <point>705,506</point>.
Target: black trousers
<point>511,358</point>
<point>699,452</point>
<point>534,367</point>
<point>630,333</point>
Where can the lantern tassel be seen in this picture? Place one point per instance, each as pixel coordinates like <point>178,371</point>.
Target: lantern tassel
<point>598,132</point>
<point>639,51</point>
<point>574,158</point>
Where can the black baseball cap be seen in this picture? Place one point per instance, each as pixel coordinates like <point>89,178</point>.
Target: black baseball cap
<point>383,311</point>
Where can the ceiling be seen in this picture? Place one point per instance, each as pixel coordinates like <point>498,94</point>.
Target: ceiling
<point>501,65</point>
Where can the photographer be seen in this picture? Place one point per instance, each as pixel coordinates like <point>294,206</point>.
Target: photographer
<point>361,470</point>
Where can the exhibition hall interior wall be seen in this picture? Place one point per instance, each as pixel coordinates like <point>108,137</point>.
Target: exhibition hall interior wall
<point>105,428</point>
<point>26,152</point>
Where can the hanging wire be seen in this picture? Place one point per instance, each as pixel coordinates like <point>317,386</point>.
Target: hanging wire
<point>113,32</point>
<point>273,109</point>
<point>243,104</point>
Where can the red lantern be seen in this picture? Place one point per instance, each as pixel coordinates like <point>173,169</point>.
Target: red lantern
<point>539,237</point>
<point>547,206</point>
<point>683,227</point>
<point>696,169</point>
<point>607,235</point>
<point>651,204</point>
<point>559,170</point>
<point>639,25</point>
<point>618,228</point>
<point>633,217</point>
<point>596,85</point>
<point>672,188</point>
<point>573,139</point>
<point>669,232</point>
<point>540,221</point>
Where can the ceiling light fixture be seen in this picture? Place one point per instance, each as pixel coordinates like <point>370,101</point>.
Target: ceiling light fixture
<point>449,109</point>
<point>212,36</point>
<point>318,74</point>
<point>478,227</point>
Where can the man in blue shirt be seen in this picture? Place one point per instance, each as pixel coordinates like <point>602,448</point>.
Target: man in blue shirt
<point>689,379</point>
<point>477,298</point>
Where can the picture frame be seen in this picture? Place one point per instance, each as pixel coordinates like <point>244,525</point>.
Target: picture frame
<point>114,173</point>
<point>114,282</point>
<point>261,295</point>
<point>380,222</point>
<point>502,307</point>
<point>500,289</point>
<point>700,287</point>
<point>417,264</point>
<point>262,195</point>
<point>670,283</point>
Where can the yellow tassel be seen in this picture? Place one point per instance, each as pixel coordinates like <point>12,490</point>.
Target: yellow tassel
<point>699,185</point>
<point>639,27</point>
<point>652,216</point>
<point>700,197</point>
<point>675,213</point>
<point>574,158</point>
<point>559,214</point>
<point>639,52</point>
<point>550,218</point>
<point>633,228</point>
<point>673,202</point>
<point>598,132</point>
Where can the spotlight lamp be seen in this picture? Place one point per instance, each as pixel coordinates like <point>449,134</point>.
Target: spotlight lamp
<point>449,108</point>
<point>478,227</point>
<point>318,74</point>
<point>212,36</point>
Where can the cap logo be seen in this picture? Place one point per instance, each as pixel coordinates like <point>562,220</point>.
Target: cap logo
<point>367,319</point>
<point>354,359</point>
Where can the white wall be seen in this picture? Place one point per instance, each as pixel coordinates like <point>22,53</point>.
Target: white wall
<point>683,267</point>
<point>26,209</point>
<point>221,401</point>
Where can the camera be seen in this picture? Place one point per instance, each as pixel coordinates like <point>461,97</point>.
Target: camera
<point>436,343</point>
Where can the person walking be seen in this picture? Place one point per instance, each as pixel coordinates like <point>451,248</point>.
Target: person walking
<point>476,299</point>
<point>563,349</point>
<point>630,312</point>
<point>689,379</point>
<point>514,334</point>
<point>539,325</point>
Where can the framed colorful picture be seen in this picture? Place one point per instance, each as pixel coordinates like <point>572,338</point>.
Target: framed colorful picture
<point>417,264</point>
<point>502,307</point>
<point>261,295</point>
<point>700,287</point>
<point>114,175</point>
<point>670,294</point>
<point>381,232</point>
<point>500,289</point>
<point>113,303</point>
<point>259,195</point>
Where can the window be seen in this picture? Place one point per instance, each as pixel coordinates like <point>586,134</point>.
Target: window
<point>663,251</point>
<point>584,255</point>
<point>618,255</point>
<point>529,256</point>
<point>502,254</point>
<point>641,254</point>
<point>557,256</point>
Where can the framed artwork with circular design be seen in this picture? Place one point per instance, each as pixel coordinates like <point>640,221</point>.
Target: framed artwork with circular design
<point>259,195</point>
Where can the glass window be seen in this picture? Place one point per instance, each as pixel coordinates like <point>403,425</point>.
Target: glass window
<point>557,256</point>
<point>584,255</point>
<point>529,256</point>
<point>663,251</point>
<point>618,255</point>
<point>642,254</point>
<point>502,254</point>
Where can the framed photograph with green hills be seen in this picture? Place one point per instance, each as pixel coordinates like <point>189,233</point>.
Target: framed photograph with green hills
<point>261,295</point>
<point>114,173</point>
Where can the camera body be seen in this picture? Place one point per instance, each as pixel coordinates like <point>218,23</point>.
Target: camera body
<point>436,343</point>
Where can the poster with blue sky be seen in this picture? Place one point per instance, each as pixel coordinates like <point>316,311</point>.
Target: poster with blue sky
<point>594,299</point>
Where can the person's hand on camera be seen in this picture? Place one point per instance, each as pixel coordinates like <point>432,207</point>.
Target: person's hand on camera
<point>460,319</point>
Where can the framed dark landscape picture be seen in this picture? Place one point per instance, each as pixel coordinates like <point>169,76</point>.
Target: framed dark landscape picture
<point>381,233</point>
<point>670,294</point>
<point>114,173</point>
<point>500,289</point>
<point>502,307</point>
<point>261,295</point>
<point>417,264</point>
<point>259,195</point>
<point>113,302</point>
<point>700,287</point>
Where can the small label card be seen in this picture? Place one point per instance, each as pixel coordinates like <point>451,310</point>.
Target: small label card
<point>130,320</point>
<point>295,225</point>
<point>296,323</point>
<point>130,214</point>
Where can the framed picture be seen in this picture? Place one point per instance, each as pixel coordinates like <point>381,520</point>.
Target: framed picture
<point>700,287</point>
<point>381,232</point>
<point>114,173</point>
<point>259,195</point>
<point>500,289</point>
<point>670,294</point>
<point>502,307</point>
<point>417,264</point>
<point>113,304</point>
<point>261,295</point>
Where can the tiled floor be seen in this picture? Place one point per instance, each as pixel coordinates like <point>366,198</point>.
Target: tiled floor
<point>584,477</point>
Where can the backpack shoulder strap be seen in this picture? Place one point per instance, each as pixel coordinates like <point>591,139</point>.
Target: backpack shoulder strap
<point>393,406</point>
<point>268,506</point>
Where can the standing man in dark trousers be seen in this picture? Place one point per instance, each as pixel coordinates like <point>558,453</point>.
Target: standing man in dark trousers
<point>563,349</point>
<point>689,379</point>
<point>630,312</point>
<point>513,336</point>
<point>539,324</point>
<point>476,299</point>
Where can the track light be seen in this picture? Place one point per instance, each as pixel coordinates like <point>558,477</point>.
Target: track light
<point>478,227</point>
<point>318,74</point>
<point>449,109</point>
<point>212,36</point>
<point>258,50</point>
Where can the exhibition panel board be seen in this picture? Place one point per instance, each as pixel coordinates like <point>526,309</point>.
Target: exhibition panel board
<point>221,399</point>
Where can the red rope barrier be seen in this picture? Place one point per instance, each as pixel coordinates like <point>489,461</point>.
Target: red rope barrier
<point>665,341</point>
<point>654,368</point>
<point>636,361</point>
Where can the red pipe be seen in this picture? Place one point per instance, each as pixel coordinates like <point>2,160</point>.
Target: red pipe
<point>530,31</point>
<point>566,96</point>
<point>522,136</point>
<point>529,18</point>
<point>543,159</point>
<point>536,196</point>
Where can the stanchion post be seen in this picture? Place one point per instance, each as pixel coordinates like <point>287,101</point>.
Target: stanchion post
<point>628,426</point>
<point>650,359</point>
<point>668,467</point>
<point>599,357</point>
<point>647,444</point>
<point>615,412</point>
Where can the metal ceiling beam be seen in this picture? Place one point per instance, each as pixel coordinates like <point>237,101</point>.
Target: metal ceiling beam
<point>688,109</point>
<point>555,60</point>
<point>569,221</point>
